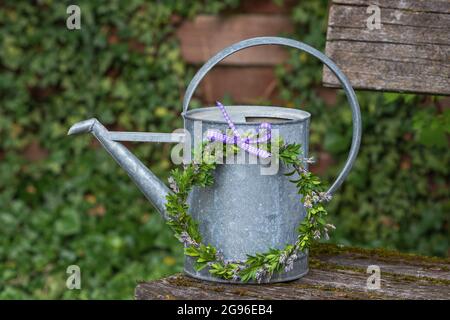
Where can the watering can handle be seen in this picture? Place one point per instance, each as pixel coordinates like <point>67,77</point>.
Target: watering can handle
<point>351,97</point>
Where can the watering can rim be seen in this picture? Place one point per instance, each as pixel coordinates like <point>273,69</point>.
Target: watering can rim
<point>293,115</point>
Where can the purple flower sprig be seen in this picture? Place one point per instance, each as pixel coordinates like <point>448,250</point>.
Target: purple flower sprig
<point>264,135</point>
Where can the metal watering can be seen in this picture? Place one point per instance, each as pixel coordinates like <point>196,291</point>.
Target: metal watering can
<point>244,212</point>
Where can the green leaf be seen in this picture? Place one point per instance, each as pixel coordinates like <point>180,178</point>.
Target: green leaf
<point>69,223</point>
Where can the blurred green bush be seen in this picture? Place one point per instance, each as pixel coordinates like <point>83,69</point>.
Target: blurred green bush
<point>63,201</point>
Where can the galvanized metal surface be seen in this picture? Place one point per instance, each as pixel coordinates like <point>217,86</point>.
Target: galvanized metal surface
<point>146,136</point>
<point>153,188</point>
<point>244,212</point>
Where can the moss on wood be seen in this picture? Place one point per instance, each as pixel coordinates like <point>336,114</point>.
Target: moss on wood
<point>342,292</point>
<point>321,265</point>
<point>315,286</point>
<point>380,253</point>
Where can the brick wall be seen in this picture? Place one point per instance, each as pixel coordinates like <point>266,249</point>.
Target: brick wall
<point>247,76</point>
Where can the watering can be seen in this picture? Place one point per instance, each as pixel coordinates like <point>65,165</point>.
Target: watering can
<point>244,212</point>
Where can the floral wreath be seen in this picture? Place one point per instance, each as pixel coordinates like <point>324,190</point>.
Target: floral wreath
<point>260,266</point>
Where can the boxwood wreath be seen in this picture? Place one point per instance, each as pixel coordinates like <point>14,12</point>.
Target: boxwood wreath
<point>260,266</point>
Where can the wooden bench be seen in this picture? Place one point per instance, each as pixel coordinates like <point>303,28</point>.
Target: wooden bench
<point>409,53</point>
<point>335,273</point>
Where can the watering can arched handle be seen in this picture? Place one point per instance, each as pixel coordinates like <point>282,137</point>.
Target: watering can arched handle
<point>356,114</point>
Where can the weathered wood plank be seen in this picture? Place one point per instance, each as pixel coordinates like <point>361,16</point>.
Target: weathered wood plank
<point>206,35</point>
<point>356,16</point>
<point>410,53</point>
<point>413,5</point>
<point>335,273</point>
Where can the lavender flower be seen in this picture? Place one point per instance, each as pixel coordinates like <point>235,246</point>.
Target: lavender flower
<point>173,185</point>
<point>235,276</point>
<point>290,262</point>
<point>220,256</point>
<point>283,258</point>
<point>324,196</point>
<point>331,226</point>
<point>316,234</point>
<point>326,228</point>
<point>307,201</point>
<point>186,239</point>
<point>315,197</point>
<point>261,274</point>
<point>309,160</point>
<point>301,169</point>
<point>289,265</point>
<point>196,168</point>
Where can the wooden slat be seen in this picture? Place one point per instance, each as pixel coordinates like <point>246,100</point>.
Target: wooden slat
<point>335,273</point>
<point>410,53</point>
<point>440,6</point>
<point>206,35</point>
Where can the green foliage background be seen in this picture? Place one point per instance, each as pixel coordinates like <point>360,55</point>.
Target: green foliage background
<point>64,201</point>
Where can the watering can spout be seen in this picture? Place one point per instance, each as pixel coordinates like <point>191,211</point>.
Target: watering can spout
<point>153,188</point>
<point>82,126</point>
